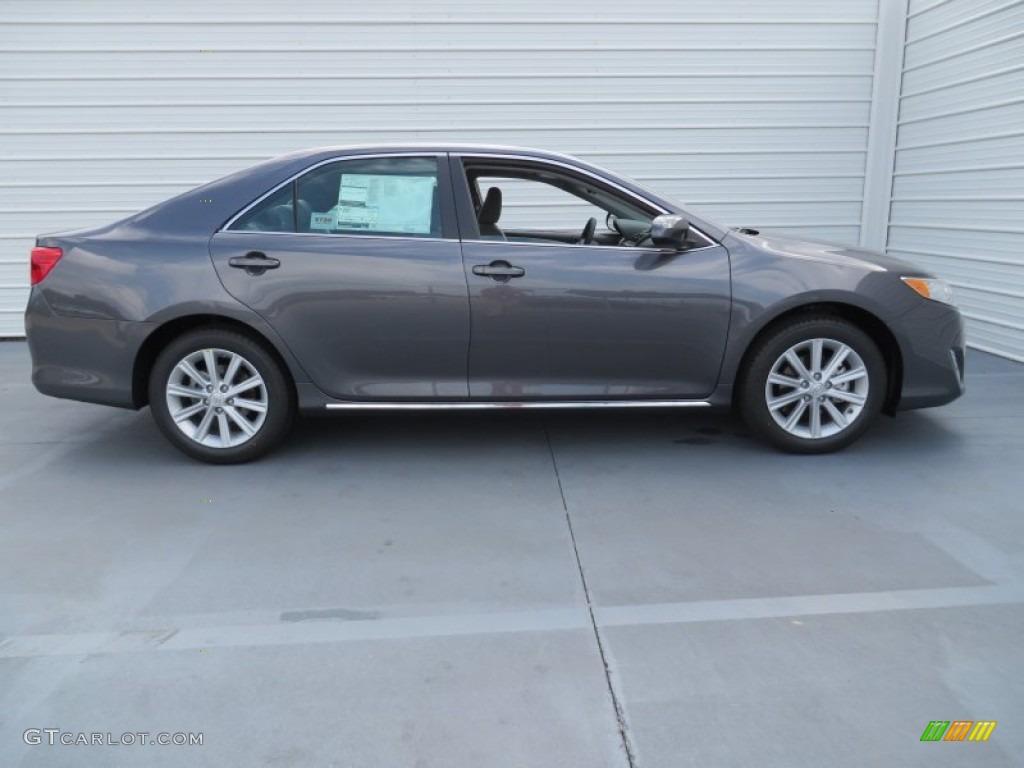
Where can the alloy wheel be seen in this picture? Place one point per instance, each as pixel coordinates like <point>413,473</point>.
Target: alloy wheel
<point>817,388</point>
<point>217,398</point>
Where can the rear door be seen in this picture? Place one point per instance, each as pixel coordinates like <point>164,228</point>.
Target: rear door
<point>357,265</point>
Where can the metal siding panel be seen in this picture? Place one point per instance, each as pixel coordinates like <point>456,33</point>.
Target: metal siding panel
<point>983,22</point>
<point>958,188</point>
<point>397,11</point>
<point>566,137</point>
<point>510,34</point>
<point>994,338</point>
<point>985,150</point>
<point>957,124</point>
<point>13,283</point>
<point>385,65</point>
<point>972,93</point>
<point>962,243</point>
<point>764,162</point>
<point>989,212</point>
<point>315,115</point>
<point>963,184</point>
<point>756,112</point>
<point>844,235</point>
<point>939,65</point>
<point>928,18</point>
<point>317,86</point>
<point>726,189</point>
<point>791,216</point>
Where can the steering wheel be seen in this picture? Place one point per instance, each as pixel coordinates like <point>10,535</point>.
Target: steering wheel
<point>588,232</point>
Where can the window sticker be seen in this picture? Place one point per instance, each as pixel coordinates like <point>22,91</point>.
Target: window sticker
<point>353,190</point>
<point>357,216</point>
<point>385,203</point>
<point>323,221</point>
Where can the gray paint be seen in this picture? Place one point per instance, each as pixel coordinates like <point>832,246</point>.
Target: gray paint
<point>397,319</point>
<point>593,321</point>
<point>369,317</point>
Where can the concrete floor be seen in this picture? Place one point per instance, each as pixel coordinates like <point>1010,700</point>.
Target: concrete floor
<point>423,591</point>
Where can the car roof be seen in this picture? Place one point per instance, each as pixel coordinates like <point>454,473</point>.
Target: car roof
<point>430,147</point>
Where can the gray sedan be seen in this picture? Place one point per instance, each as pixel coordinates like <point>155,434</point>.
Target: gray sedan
<point>473,277</point>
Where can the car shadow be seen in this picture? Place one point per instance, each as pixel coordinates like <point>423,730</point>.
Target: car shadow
<point>708,431</point>
<point>138,442</point>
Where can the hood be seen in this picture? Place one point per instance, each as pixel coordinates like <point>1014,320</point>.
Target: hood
<point>832,253</point>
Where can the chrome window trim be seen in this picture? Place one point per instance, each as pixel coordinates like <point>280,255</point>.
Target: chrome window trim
<point>622,248</point>
<point>468,405</point>
<point>385,235</point>
<point>304,171</point>
<point>585,172</point>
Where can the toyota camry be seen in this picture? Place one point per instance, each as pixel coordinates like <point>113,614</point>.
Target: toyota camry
<point>473,277</point>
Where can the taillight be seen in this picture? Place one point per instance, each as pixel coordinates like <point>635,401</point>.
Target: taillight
<point>43,260</point>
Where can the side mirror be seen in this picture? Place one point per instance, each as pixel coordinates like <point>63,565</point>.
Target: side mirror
<point>669,231</point>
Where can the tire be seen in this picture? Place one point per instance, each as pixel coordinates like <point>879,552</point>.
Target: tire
<point>229,426</point>
<point>789,407</point>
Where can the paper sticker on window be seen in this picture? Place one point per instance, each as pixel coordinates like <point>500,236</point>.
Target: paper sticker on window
<point>352,193</point>
<point>382,203</point>
<point>357,217</point>
<point>323,221</point>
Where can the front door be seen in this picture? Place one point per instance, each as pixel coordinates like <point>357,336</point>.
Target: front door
<point>561,310</point>
<point>356,265</point>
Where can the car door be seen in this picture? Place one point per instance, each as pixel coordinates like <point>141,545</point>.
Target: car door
<point>555,319</point>
<point>357,265</point>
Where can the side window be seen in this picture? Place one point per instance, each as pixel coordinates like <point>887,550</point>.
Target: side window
<point>272,215</point>
<point>529,204</point>
<point>382,196</point>
<point>536,203</point>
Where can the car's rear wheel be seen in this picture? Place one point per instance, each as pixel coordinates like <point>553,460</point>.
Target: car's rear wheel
<point>220,397</point>
<point>813,385</point>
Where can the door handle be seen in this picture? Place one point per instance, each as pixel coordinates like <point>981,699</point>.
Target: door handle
<point>501,271</point>
<point>254,263</point>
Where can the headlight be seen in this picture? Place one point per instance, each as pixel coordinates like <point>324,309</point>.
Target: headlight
<point>930,288</point>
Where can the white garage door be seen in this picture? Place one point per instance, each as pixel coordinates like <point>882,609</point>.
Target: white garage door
<point>755,113</point>
<point>958,189</point>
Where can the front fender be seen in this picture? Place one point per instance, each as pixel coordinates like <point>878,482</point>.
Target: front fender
<point>770,285</point>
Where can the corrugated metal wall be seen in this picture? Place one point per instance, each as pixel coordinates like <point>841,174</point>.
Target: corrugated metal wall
<point>958,186</point>
<point>756,113</point>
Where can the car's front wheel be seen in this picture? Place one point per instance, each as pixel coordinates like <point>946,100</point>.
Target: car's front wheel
<point>813,385</point>
<point>220,397</point>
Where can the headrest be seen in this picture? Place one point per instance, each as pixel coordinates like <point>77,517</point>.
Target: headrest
<point>490,211</point>
<point>276,219</point>
<point>318,194</point>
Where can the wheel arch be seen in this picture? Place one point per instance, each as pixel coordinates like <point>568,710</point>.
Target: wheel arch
<point>862,318</point>
<point>161,336</point>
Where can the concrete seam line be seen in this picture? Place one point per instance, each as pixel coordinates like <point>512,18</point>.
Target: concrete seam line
<point>620,713</point>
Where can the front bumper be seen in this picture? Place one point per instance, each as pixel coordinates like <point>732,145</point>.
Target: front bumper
<point>82,358</point>
<point>931,339</point>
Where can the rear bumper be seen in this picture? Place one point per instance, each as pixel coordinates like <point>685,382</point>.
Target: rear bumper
<point>82,358</point>
<point>931,339</point>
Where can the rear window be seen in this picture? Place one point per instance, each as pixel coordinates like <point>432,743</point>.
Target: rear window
<point>275,214</point>
<point>395,196</point>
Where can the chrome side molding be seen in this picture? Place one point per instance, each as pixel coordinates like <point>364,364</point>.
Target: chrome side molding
<point>511,404</point>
